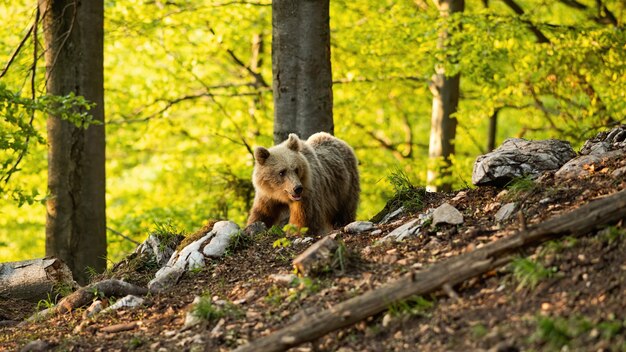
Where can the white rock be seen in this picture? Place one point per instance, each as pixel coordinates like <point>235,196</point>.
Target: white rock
<point>129,301</point>
<point>358,227</point>
<point>505,212</point>
<point>303,240</point>
<point>222,232</point>
<point>94,308</point>
<point>195,260</point>
<point>165,277</point>
<point>447,214</point>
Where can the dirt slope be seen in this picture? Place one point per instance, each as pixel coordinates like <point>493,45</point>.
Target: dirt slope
<point>565,293</point>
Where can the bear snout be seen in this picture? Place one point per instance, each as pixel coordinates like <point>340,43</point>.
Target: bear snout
<point>296,193</point>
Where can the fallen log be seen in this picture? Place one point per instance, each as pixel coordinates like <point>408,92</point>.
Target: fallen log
<point>85,295</point>
<point>107,288</point>
<point>450,272</point>
<point>32,280</point>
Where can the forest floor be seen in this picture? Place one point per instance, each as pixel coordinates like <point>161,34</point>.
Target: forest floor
<point>565,295</point>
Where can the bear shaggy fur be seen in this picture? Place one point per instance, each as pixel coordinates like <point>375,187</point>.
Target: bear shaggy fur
<point>315,183</point>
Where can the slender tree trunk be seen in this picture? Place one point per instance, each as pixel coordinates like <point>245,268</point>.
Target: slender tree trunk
<point>493,130</point>
<point>75,226</point>
<point>302,80</point>
<point>445,102</point>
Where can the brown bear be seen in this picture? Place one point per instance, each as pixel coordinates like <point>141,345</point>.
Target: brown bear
<point>313,183</point>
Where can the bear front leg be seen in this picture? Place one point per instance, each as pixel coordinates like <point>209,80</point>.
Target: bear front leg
<point>266,211</point>
<point>297,215</point>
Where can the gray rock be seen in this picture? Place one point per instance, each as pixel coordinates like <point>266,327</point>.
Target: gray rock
<point>505,212</point>
<point>36,345</point>
<point>391,215</point>
<point>403,231</point>
<point>358,227</point>
<point>579,166</point>
<point>519,158</point>
<point>166,277</point>
<point>619,172</point>
<point>255,228</point>
<point>605,141</point>
<point>447,214</point>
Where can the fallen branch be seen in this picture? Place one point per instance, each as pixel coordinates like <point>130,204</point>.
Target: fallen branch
<point>107,288</point>
<point>449,272</point>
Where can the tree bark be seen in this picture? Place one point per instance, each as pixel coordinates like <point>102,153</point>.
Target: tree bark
<point>449,272</point>
<point>32,280</point>
<point>302,79</point>
<point>492,132</point>
<point>446,90</point>
<point>75,224</point>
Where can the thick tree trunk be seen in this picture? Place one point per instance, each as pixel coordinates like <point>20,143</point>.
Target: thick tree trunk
<point>444,274</point>
<point>302,80</point>
<point>75,226</point>
<point>446,92</point>
<point>32,280</point>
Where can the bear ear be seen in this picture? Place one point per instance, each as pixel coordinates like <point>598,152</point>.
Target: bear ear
<point>293,142</point>
<point>261,154</point>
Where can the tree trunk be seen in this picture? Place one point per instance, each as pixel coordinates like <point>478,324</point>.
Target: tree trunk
<point>32,280</point>
<point>445,102</point>
<point>443,274</point>
<point>302,80</point>
<point>492,133</point>
<point>75,226</point>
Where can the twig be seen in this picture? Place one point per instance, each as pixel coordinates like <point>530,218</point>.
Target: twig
<point>122,235</point>
<point>33,75</point>
<point>18,49</point>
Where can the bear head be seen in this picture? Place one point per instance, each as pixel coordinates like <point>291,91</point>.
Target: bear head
<point>282,172</point>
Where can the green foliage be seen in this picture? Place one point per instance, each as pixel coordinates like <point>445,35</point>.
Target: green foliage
<point>519,186</point>
<point>282,242</point>
<point>614,234</point>
<point>528,273</point>
<point>207,310</point>
<point>289,230</point>
<point>414,306</point>
<point>239,241</point>
<point>406,195</point>
<point>302,287</point>
<point>168,234</point>
<point>558,332</point>
<point>135,342</point>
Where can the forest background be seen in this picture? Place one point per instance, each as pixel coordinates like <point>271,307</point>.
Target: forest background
<point>188,92</point>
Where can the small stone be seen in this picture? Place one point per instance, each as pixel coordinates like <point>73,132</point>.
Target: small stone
<point>129,301</point>
<point>505,212</point>
<point>36,346</point>
<point>255,228</point>
<point>358,227</point>
<point>95,308</point>
<point>283,278</point>
<point>447,214</point>
<point>387,320</point>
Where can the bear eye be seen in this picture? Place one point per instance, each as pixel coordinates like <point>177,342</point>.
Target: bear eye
<point>282,173</point>
<point>296,171</point>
